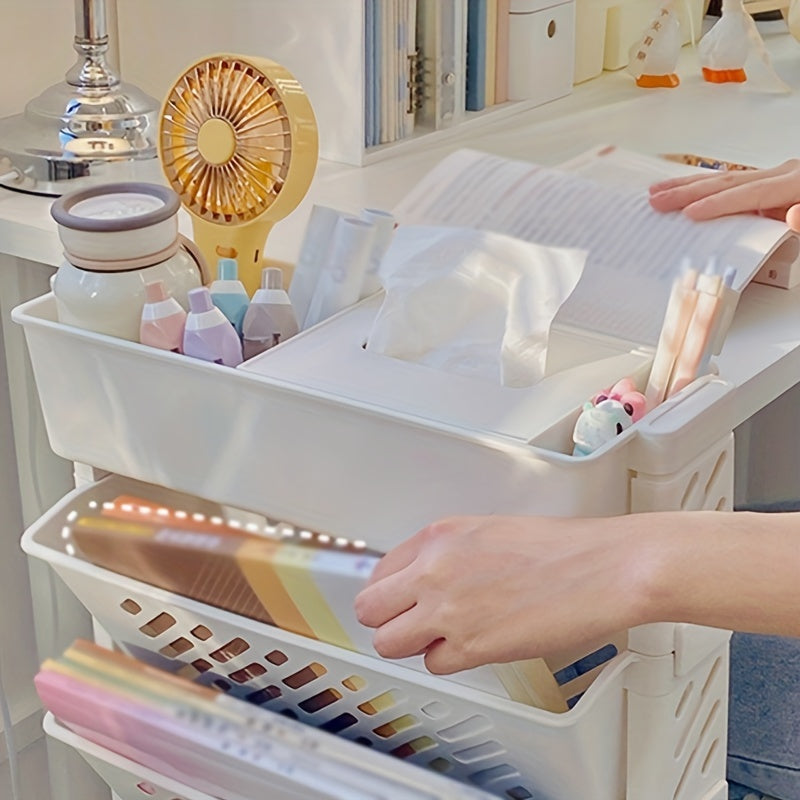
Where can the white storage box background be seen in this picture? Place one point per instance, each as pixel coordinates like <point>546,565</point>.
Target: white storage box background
<point>650,727</point>
<point>541,50</point>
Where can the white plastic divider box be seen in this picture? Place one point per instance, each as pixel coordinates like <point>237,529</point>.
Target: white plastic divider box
<point>326,435</point>
<point>649,727</point>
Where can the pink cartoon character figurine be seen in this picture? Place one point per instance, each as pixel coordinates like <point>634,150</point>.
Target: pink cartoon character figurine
<point>606,415</point>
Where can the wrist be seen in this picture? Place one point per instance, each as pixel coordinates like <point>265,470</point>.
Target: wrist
<point>680,550</point>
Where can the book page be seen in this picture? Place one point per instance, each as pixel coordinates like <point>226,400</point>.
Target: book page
<point>633,252</point>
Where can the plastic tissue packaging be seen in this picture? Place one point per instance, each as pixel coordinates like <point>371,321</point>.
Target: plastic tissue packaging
<point>472,302</point>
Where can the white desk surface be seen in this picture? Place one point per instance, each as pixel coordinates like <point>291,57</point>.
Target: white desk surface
<point>748,123</point>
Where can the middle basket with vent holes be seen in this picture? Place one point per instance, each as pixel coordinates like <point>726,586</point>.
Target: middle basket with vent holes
<point>506,748</point>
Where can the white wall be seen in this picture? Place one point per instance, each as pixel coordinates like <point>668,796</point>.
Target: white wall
<point>37,47</point>
<point>34,55</point>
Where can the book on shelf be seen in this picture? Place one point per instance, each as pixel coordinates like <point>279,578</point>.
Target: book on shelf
<point>501,51</point>
<point>442,49</point>
<point>391,93</point>
<point>598,203</point>
<point>427,61</point>
<point>477,11</point>
<point>491,51</point>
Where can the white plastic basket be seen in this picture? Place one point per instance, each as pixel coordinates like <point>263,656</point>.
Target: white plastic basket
<point>282,436</point>
<point>127,779</point>
<point>648,728</point>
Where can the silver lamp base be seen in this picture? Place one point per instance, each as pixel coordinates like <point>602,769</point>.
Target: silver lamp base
<point>69,138</point>
<point>89,129</point>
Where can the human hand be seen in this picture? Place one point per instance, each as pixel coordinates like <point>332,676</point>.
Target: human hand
<point>468,591</point>
<point>772,192</point>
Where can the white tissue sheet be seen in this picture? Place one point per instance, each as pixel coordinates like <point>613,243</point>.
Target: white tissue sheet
<point>472,302</point>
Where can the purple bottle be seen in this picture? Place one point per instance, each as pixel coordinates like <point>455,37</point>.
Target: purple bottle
<point>208,334</point>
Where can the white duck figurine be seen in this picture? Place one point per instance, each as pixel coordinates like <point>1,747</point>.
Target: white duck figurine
<point>724,50</point>
<point>654,56</point>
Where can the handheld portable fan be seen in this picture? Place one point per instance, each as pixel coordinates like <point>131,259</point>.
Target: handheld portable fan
<point>238,143</point>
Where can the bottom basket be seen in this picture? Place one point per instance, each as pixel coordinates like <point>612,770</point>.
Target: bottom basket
<point>505,748</point>
<point>127,779</point>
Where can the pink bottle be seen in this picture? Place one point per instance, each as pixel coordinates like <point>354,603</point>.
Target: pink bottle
<point>163,319</point>
<point>209,334</point>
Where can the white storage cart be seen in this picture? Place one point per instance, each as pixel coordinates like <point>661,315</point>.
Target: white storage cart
<point>650,724</point>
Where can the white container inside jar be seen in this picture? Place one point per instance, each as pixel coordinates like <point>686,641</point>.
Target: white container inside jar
<point>118,238</point>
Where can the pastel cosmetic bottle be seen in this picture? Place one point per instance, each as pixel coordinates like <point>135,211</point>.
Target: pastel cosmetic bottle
<point>228,293</point>
<point>270,317</point>
<point>208,334</point>
<point>163,319</point>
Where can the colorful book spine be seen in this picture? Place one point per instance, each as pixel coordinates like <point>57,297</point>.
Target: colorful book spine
<point>476,55</point>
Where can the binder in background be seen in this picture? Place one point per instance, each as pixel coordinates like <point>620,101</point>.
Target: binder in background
<point>501,67</point>
<point>442,51</point>
<point>476,54</point>
<point>491,50</point>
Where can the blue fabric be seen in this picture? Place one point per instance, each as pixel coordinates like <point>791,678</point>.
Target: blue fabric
<point>764,726</point>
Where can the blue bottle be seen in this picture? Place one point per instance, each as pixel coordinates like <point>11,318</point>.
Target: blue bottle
<point>228,293</point>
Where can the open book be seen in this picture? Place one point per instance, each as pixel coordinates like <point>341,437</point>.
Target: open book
<point>598,202</point>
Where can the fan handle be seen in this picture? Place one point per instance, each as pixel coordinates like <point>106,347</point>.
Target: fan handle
<point>247,240</point>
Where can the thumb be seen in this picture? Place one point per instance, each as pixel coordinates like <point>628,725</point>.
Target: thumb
<point>793,217</point>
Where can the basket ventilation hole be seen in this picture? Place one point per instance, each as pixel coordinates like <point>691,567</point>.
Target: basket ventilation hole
<point>223,686</point>
<point>396,726</point>
<point>435,710</point>
<point>177,648</point>
<point>201,665</point>
<point>689,490</point>
<point>418,745</point>
<point>441,765</point>
<point>202,633</point>
<point>480,752</point>
<point>378,704</point>
<point>157,625</point>
<point>519,793</point>
<point>264,695</point>
<point>146,788</point>
<point>500,772</point>
<point>339,724</point>
<point>319,701</point>
<point>247,673</point>
<point>235,647</point>
<point>354,683</point>
<point>131,606</point>
<point>687,693</point>
<point>276,657</point>
<point>472,726</point>
<point>709,757</point>
<point>363,740</point>
<point>715,473</point>
<point>305,675</point>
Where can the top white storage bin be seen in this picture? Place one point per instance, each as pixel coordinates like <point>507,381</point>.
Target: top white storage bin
<point>329,436</point>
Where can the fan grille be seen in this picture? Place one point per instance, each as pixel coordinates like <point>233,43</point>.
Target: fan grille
<point>225,141</point>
